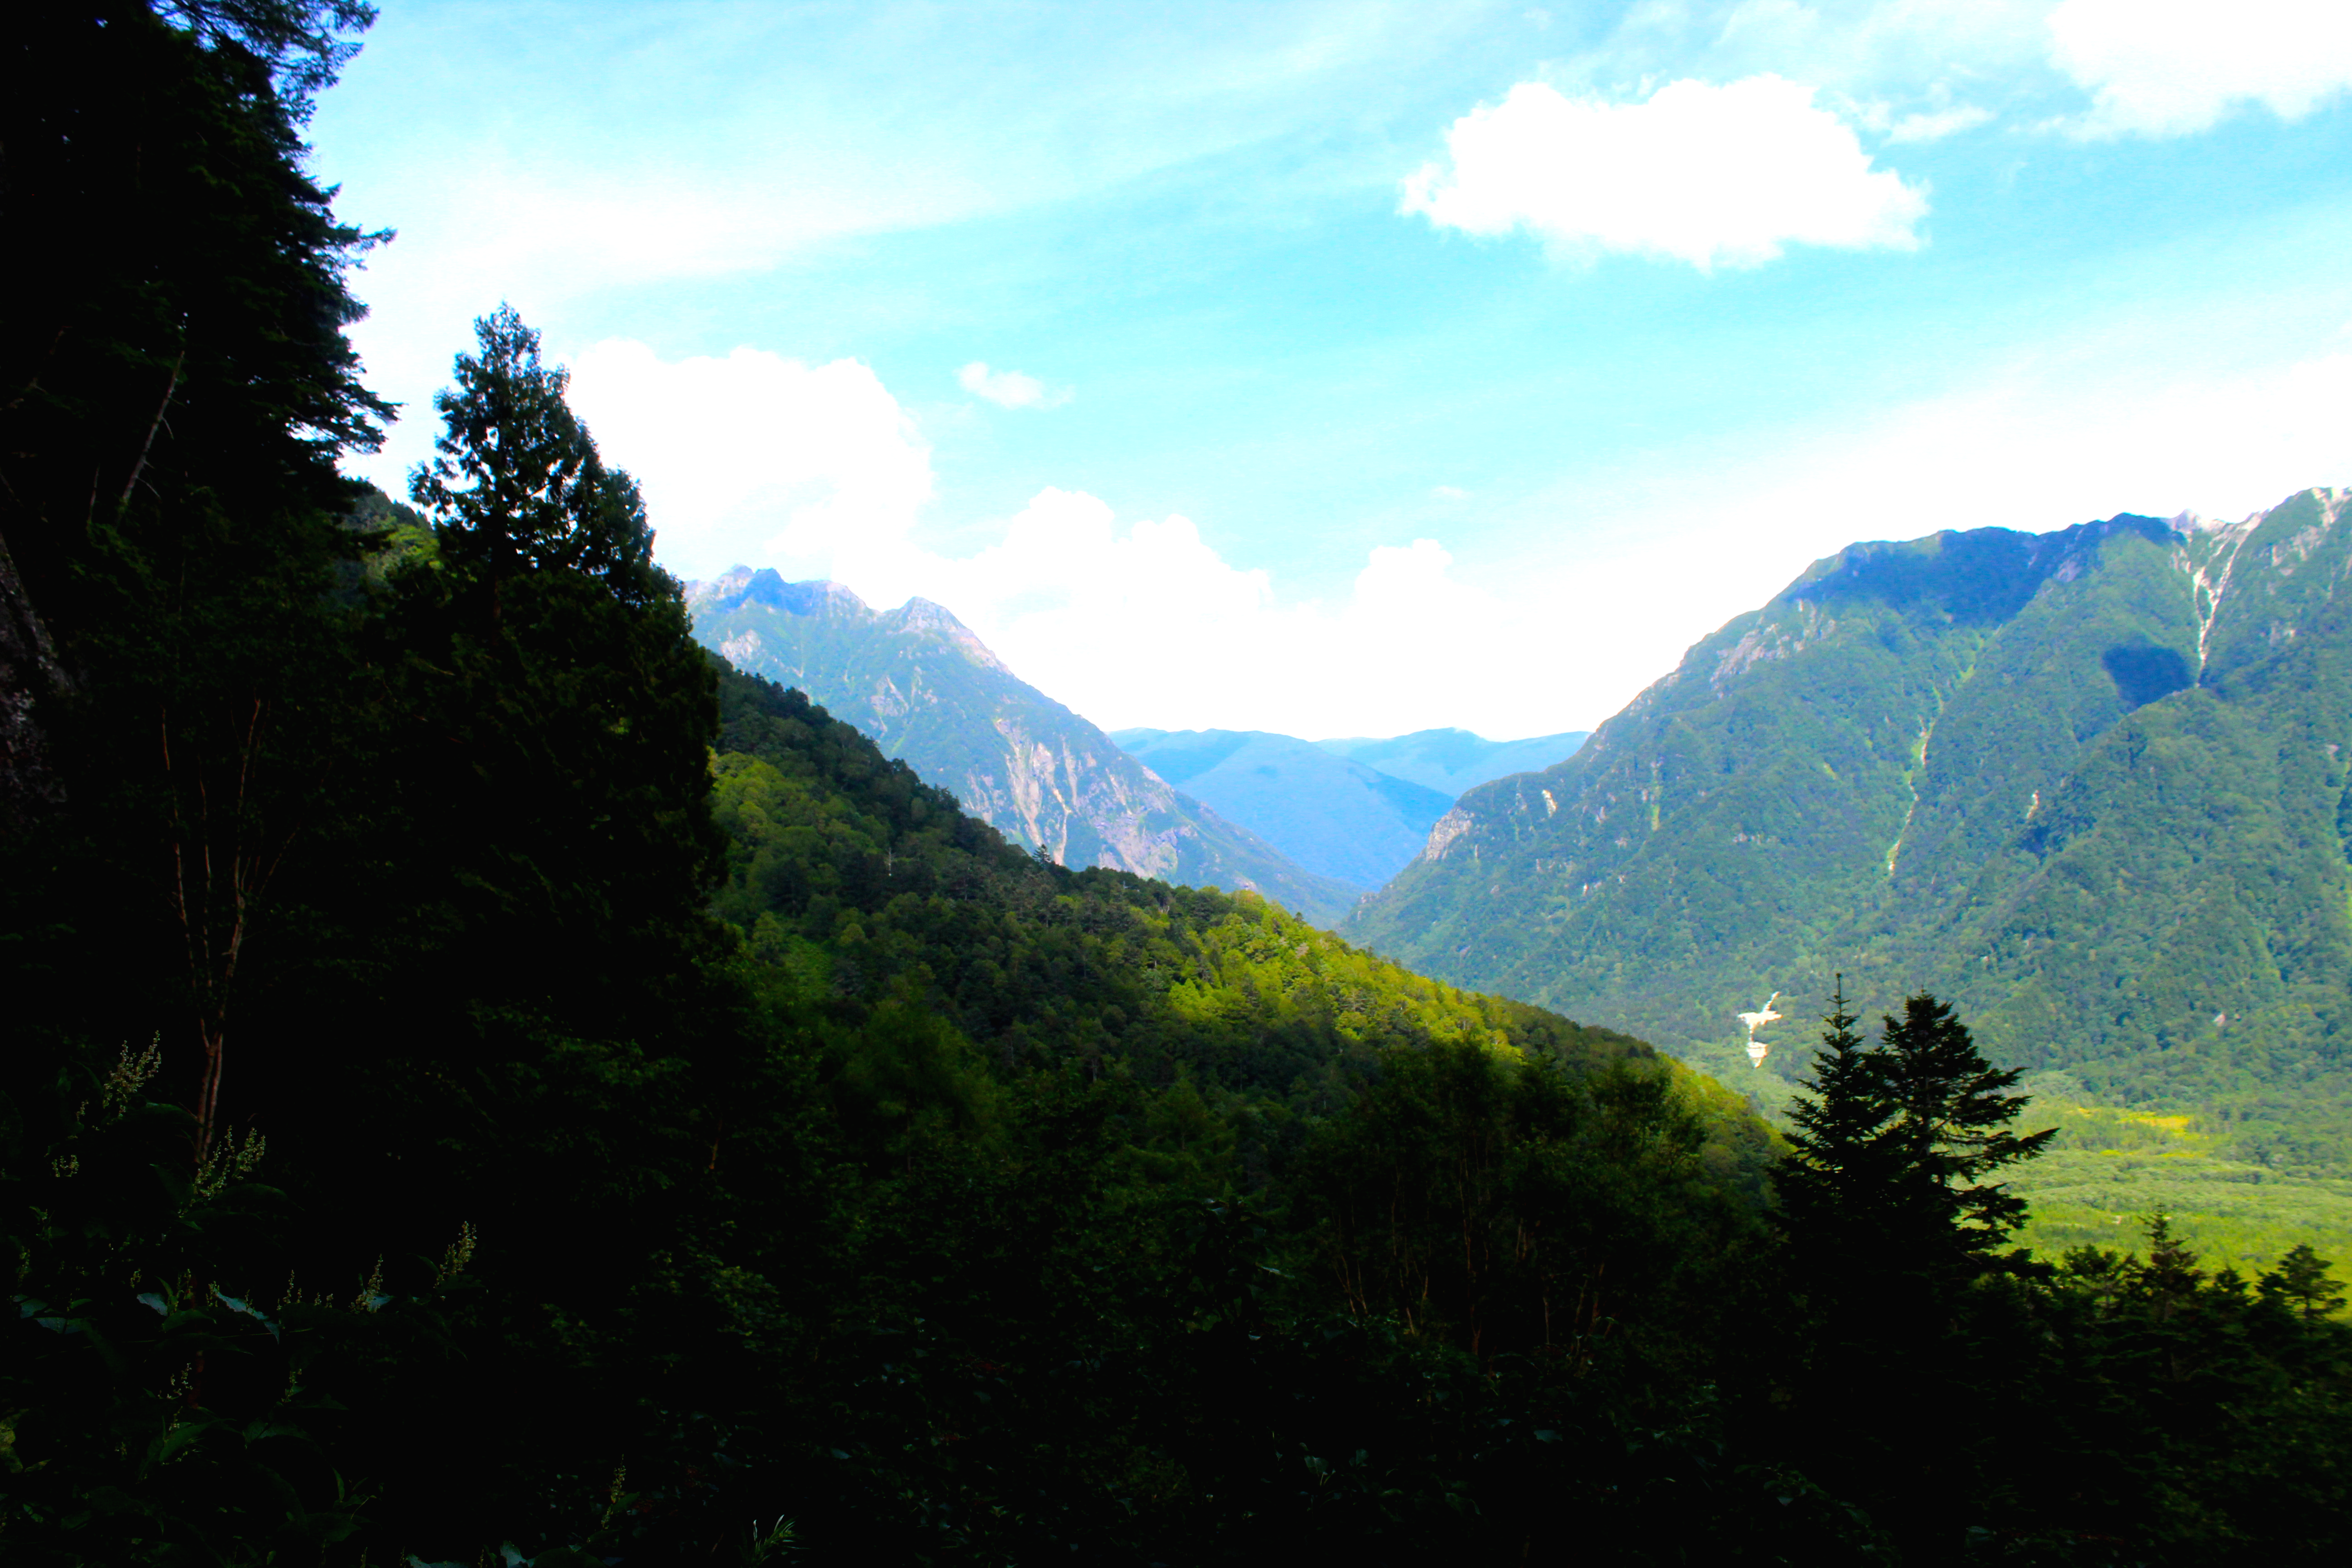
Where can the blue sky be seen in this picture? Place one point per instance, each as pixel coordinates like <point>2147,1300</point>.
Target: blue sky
<point>1350,369</point>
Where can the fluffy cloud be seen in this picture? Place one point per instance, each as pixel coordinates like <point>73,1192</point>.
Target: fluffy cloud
<point>1717,176</point>
<point>1149,625</point>
<point>817,472</point>
<point>1934,125</point>
<point>2167,68</point>
<point>1011,388</point>
<point>756,456</point>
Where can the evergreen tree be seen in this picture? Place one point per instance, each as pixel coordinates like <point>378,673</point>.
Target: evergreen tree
<point>1888,1225</point>
<point>176,389</point>
<point>1835,1189</point>
<point>2301,1279</point>
<point>1949,1131</point>
<point>517,486</point>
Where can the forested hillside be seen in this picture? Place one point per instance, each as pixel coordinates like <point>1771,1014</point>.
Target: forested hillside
<point>927,689</point>
<point>486,1081</point>
<point>2087,784</point>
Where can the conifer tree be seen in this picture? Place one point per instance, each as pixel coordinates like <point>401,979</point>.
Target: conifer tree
<point>517,484</point>
<point>1950,1129</point>
<point>1834,1191</point>
<point>2301,1279</point>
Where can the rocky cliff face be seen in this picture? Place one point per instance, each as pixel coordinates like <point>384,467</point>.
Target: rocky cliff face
<point>927,689</point>
<point>2090,785</point>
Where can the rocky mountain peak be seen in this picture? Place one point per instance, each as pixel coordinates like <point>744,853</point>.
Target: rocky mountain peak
<point>740,585</point>
<point>926,616</point>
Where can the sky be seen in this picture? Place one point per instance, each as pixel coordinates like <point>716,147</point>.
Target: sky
<point>1352,369</point>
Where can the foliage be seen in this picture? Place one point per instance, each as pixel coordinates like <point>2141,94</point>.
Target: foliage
<point>172,1391</point>
<point>931,692</point>
<point>688,1136</point>
<point>2089,785</point>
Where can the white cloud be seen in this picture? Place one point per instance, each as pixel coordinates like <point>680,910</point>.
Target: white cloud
<point>1671,547</point>
<point>755,455</point>
<point>597,165</point>
<point>1717,176</point>
<point>1011,388</point>
<point>817,472</point>
<point>1934,125</point>
<point>2169,67</point>
<point>1889,58</point>
<point>1149,624</point>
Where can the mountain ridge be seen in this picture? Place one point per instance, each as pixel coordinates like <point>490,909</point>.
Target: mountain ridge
<point>1451,760</point>
<point>929,691</point>
<point>2088,784</point>
<point>1334,815</point>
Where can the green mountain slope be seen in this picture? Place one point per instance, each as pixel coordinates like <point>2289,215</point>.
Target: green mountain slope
<point>858,887</point>
<point>918,681</point>
<point>1337,817</point>
<point>2088,785</point>
<point>1453,761</point>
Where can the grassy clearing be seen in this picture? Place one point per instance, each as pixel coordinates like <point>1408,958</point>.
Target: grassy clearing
<point>2109,1169</point>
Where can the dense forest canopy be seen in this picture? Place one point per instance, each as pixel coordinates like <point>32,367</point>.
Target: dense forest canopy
<point>485,1081</point>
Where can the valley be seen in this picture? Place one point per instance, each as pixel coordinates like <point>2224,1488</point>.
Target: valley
<point>2102,761</point>
<point>516,1055</point>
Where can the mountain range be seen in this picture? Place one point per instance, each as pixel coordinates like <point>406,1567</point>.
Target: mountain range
<point>1453,761</point>
<point>2091,785</point>
<point>1358,810</point>
<point>925,688</point>
<point>1335,816</point>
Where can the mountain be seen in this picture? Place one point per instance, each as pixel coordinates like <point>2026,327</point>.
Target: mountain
<point>2089,785</point>
<point>1336,818</point>
<point>917,681</point>
<point>1452,760</point>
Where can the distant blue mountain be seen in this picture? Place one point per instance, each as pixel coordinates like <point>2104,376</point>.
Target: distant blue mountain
<point>1329,814</point>
<point>927,690</point>
<point>1453,761</point>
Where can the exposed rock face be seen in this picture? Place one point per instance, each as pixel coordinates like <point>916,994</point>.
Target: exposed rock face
<point>2091,785</point>
<point>927,689</point>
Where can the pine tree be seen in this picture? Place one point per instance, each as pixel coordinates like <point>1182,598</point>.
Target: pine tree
<point>518,485</point>
<point>2301,1279</point>
<point>178,390</point>
<point>1949,1130</point>
<point>1888,1222</point>
<point>1835,1189</point>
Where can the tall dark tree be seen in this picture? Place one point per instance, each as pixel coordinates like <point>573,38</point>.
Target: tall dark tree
<point>518,485</point>
<point>537,1030</point>
<point>1892,1149</point>
<point>1889,1224</point>
<point>176,389</point>
<point>1835,1190</point>
<point>1950,1131</point>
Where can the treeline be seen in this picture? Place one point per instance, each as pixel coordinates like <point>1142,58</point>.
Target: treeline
<point>484,1081</point>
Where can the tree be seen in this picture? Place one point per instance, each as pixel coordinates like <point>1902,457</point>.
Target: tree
<point>1888,1224</point>
<point>2302,1278</point>
<point>517,486</point>
<point>1834,1190</point>
<point>1950,1120</point>
<point>1891,1152</point>
<point>175,390</point>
